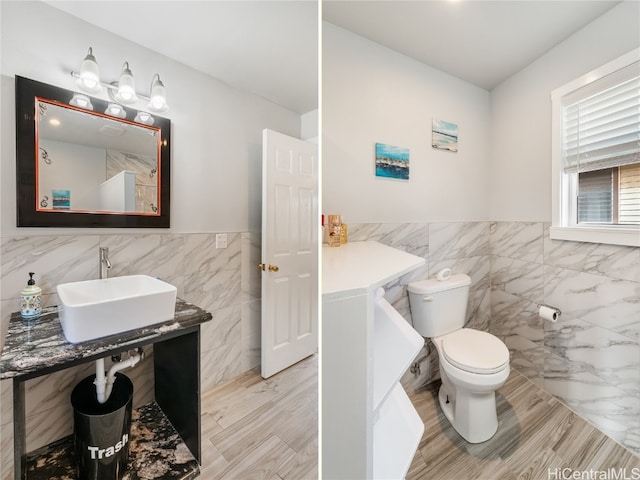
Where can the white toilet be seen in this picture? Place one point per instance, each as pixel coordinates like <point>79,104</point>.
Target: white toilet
<point>473,364</point>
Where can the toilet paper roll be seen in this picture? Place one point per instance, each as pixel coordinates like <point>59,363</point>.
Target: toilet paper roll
<point>549,313</point>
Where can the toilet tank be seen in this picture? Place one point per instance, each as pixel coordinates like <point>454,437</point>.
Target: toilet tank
<point>437,306</point>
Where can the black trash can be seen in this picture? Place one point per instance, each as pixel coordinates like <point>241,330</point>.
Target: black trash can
<point>101,431</point>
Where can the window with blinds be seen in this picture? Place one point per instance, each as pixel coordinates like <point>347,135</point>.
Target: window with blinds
<point>595,155</point>
<point>601,148</point>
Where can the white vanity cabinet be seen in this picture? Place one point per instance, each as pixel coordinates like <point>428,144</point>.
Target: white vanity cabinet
<point>370,429</point>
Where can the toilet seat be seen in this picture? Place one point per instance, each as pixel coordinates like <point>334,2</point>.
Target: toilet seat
<point>475,351</point>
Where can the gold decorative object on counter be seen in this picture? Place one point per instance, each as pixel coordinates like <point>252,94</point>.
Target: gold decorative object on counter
<point>335,230</point>
<point>343,233</point>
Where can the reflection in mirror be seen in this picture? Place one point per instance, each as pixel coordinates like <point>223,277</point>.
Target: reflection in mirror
<point>79,167</point>
<point>91,162</point>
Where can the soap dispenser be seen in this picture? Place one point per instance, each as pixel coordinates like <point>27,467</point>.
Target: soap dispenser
<point>30,295</point>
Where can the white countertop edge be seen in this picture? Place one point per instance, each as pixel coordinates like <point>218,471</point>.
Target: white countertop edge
<point>360,267</point>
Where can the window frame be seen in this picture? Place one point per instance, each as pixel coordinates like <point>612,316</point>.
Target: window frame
<point>564,186</point>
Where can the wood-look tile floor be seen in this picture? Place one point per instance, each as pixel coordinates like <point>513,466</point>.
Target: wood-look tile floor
<point>537,438</point>
<point>256,429</point>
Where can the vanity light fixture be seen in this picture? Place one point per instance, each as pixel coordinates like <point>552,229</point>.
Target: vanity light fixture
<point>144,118</point>
<point>123,91</point>
<point>89,77</point>
<point>82,101</point>
<point>115,110</point>
<point>126,93</point>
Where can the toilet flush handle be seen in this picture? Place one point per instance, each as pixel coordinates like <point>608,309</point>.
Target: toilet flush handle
<point>427,298</point>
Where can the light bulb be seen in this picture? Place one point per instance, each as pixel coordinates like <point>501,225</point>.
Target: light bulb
<point>126,87</point>
<point>115,110</point>
<point>89,77</point>
<point>158,100</point>
<point>81,101</point>
<point>144,118</point>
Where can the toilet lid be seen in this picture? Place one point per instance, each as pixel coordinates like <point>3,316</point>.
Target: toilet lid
<point>475,351</point>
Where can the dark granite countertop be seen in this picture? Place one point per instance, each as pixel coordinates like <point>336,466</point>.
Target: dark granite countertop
<point>156,451</point>
<point>39,343</point>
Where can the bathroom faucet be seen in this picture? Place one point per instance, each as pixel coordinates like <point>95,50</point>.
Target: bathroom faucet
<point>105,264</point>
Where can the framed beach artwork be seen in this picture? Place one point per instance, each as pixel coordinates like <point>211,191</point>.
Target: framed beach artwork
<point>444,135</point>
<point>392,162</point>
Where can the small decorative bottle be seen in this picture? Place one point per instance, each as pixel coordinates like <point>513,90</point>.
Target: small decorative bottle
<point>334,230</point>
<point>343,233</point>
<point>30,305</point>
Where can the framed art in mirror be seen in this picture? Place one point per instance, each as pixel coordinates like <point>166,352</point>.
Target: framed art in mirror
<point>79,167</point>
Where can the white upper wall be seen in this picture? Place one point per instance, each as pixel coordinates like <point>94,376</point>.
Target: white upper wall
<point>371,94</point>
<point>309,126</point>
<point>521,113</point>
<point>216,129</point>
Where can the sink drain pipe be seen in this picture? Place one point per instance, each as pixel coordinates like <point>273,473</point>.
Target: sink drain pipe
<point>103,383</point>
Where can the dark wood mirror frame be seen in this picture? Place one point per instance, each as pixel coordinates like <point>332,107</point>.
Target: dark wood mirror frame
<point>28,215</point>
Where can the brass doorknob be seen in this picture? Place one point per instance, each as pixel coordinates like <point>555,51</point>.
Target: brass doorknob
<point>272,268</point>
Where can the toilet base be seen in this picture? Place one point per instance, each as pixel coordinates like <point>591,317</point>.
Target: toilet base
<point>472,415</point>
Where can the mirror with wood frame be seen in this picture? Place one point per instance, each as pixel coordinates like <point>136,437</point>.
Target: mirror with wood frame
<point>80,167</point>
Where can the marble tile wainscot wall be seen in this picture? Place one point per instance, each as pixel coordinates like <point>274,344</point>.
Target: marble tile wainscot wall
<point>589,359</point>
<point>223,281</point>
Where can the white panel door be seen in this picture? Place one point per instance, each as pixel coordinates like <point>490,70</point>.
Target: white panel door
<point>289,251</point>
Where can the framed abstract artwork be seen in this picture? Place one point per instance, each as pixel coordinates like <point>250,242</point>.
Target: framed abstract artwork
<point>444,135</point>
<point>392,162</point>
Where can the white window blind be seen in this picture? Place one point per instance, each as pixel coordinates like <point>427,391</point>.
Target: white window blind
<point>601,122</point>
<point>595,156</point>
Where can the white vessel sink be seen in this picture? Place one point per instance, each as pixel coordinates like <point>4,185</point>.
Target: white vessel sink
<point>99,308</point>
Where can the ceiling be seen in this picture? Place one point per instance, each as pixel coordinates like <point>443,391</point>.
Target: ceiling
<point>270,47</point>
<point>482,42</point>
